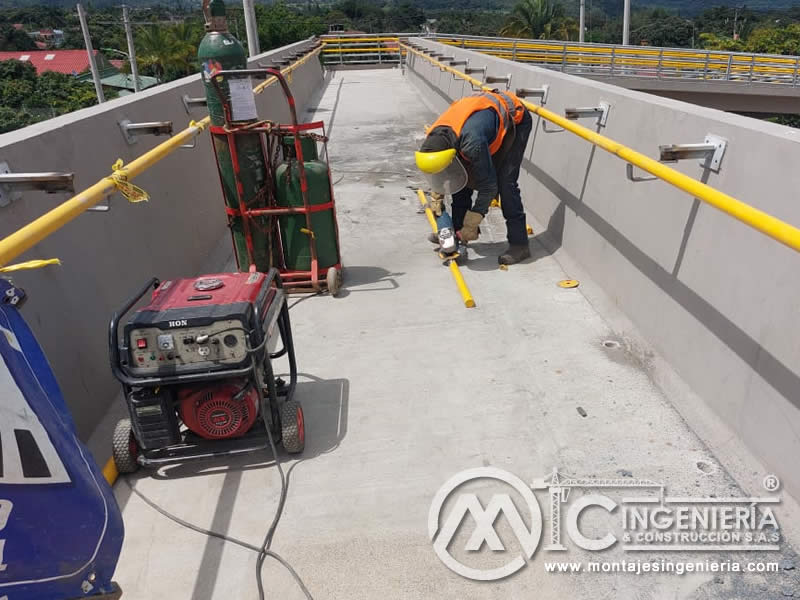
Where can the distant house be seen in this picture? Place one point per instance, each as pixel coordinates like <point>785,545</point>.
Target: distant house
<point>48,38</point>
<point>76,62</point>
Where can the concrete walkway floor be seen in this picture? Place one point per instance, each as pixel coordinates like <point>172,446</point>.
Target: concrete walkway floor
<point>402,388</point>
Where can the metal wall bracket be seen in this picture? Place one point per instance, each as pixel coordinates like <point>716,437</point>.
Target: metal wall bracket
<point>499,79</point>
<point>101,208</point>
<point>189,102</point>
<point>542,93</point>
<point>710,152</point>
<point>447,59</point>
<point>12,184</point>
<point>546,130</point>
<point>634,178</point>
<point>475,70</point>
<point>600,112</point>
<point>131,131</point>
<point>192,145</point>
<point>455,63</point>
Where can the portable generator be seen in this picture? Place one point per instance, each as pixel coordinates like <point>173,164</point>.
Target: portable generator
<point>195,365</point>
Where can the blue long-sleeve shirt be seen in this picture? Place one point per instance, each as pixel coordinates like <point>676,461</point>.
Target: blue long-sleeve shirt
<point>480,130</point>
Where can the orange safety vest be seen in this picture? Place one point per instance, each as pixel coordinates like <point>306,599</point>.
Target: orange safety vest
<point>507,106</point>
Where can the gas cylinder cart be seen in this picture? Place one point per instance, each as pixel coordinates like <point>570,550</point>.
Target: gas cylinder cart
<point>283,215</point>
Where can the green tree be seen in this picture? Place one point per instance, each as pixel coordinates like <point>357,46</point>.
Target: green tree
<point>712,41</point>
<point>26,98</point>
<point>167,52</point>
<point>664,30</point>
<point>775,40</point>
<point>13,39</point>
<point>279,25</point>
<point>537,19</point>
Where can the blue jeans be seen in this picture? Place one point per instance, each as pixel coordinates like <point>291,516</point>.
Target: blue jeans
<point>508,186</point>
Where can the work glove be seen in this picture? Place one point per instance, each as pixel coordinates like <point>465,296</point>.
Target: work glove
<point>437,204</point>
<point>469,232</point>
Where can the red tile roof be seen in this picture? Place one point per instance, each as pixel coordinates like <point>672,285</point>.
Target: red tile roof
<point>61,61</point>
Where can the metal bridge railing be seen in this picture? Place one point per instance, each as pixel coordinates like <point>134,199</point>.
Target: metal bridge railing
<point>31,234</point>
<point>765,223</point>
<point>362,49</point>
<point>642,62</point>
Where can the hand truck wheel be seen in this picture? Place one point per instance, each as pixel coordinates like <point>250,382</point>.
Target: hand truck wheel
<point>333,278</point>
<point>124,448</point>
<point>293,431</point>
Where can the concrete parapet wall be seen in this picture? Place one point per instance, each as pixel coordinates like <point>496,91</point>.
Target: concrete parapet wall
<point>107,256</point>
<point>716,299</point>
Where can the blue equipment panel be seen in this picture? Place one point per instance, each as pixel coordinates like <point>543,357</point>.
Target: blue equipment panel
<point>60,527</point>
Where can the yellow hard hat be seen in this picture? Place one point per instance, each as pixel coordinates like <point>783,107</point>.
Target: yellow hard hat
<point>435,162</point>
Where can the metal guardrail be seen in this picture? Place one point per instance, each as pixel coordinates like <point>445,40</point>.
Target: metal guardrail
<point>765,223</point>
<point>31,234</point>
<point>635,61</point>
<point>362,49</point>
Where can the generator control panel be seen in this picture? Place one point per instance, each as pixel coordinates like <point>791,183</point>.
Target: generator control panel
<point>202,324</point>
<point>224,342</point>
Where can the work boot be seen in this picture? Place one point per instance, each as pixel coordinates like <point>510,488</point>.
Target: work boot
<point>514,254</point>
<point>433,238</point>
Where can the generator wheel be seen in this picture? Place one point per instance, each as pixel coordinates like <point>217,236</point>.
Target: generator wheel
<point>293,430</point>
<point>124,448</point>
<point>334,280</point>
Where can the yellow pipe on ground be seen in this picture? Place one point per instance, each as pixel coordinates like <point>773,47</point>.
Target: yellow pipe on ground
<point>31,234</point>
<point>466,295</point>
<point>765,223</point>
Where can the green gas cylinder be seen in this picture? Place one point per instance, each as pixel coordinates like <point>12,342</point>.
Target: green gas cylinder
<point>307,145</point>
<point>218,51</point>
<point>297,243</point>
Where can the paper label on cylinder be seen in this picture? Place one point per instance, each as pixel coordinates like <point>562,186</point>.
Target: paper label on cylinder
<point>243,101</point>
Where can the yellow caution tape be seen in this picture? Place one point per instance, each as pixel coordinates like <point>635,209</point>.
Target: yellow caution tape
<point>31,264</point>
<point>132,193</point>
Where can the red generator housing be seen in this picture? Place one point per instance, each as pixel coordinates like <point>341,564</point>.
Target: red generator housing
<point>195,364</point>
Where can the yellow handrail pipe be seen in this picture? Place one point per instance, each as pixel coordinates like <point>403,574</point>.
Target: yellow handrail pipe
<point>34,232</point>
<point>759,220</point>
<point>466,295</point>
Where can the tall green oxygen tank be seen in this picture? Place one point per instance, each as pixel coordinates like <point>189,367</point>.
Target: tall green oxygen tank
<point>296,241</point>
<point>218,51</point>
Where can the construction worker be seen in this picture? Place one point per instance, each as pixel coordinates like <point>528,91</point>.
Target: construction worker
<point>477,145</point>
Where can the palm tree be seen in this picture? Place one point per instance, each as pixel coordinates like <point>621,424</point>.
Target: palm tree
<point>154,50</point>
<point>167,52</point>
<point>537,19</point>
